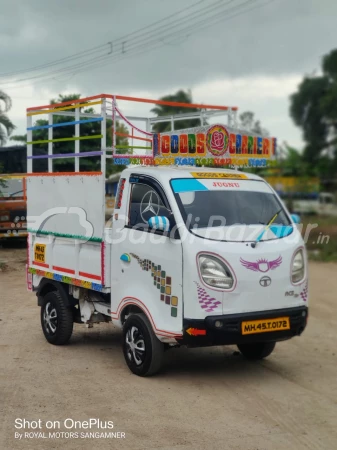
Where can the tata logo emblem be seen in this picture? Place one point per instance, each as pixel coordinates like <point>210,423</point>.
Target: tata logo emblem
<point>265,281</point>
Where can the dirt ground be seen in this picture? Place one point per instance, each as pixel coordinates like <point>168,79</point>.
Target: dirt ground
<point>204,399</point>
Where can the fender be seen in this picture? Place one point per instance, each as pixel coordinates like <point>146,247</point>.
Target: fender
<point>46,285</point>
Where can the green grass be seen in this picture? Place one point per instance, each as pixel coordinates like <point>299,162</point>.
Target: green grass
<point>326,253</point>
<point>322,221</point>
<point>320,248</point>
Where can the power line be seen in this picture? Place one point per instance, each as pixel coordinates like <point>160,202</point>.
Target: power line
<point>56,62</point>
<point>136,42</point>
<point>98,47</point>
<point>152,43</point>
<point>247,10</point>
<point>193,28</point>
<point>132,52</point>
<point>139,39</point>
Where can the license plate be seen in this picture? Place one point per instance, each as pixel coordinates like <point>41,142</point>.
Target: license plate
<point>265,325</point>
<point>40,253</point>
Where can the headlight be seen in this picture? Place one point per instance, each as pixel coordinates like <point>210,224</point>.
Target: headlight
<point>297,270</point>
<point>4,218</point>
<point>215,273</point>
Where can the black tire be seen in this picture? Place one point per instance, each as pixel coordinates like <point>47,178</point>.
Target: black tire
<point>258,350</point>
<point>56,319</point>
<point>146,357</point>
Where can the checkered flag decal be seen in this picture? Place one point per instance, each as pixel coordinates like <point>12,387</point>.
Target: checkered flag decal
<point>209,304</point>
<point>161,281</point>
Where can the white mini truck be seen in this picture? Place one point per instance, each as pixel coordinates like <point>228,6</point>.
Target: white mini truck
<point>192,256</point>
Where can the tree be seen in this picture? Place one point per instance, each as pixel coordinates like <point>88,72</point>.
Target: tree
<point>86,129</point>
<point>290,162</point>
<point>164,110</point>
<point>248,122</point>
<point>6,126</point>
<point>19,138</point>
<point>314,109</point>
<point>3,183</point>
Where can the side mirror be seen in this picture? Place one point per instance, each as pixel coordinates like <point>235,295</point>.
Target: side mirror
<point>296,218</point>
<point>159,223</point>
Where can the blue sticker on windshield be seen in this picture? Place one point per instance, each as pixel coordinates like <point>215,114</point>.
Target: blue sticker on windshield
<point>187,185</point>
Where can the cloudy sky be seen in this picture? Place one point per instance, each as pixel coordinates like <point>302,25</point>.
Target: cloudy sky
<point>246,53</point>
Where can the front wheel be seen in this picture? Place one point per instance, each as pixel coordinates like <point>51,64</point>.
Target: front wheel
<point>258,350</point>
<point>56,319</point>
<point>143,352</point>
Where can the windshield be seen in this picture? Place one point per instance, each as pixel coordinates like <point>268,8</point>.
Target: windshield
<point>210,203</point>
<point>11,188</point>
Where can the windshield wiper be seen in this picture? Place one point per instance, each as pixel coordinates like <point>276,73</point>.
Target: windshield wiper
<point>260,236</point>
<point>15,193</point>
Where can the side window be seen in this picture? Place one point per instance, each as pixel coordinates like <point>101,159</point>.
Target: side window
<point>145,203</point>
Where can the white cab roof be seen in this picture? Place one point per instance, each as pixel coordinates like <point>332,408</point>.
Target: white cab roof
<point>171,172</point>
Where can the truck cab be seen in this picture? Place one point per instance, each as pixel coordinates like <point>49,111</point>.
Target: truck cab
<point>13,207</point>
<point>322,203</point>
<point>187,240</point>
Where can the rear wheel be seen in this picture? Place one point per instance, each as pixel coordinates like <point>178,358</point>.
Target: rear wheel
<point>258,350</point>
<point>143,352</point>
<point>56,319</point>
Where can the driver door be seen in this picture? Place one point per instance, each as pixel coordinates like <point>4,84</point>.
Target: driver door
<point>147,265</point>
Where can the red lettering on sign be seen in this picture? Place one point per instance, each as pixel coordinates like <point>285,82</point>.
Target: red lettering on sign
<point>183,143</point>
<point>232,143</point>
<point>200,143</point>
<point>244,144</point>
<point>266,146</point>
<point>165,144</point>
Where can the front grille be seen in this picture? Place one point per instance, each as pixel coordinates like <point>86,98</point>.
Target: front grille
<point>18,215</point>
<point>232,327</point>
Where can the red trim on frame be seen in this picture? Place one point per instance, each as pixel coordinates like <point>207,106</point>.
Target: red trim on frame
<point>88,275</point>
<point>24,183</point>
<point>176,104</point>
<point>28,244</point>
<point>103,262</point>
<point>133,137</point>
<point>63,269</point>
<point>133,99</point>
<point>69,102</point>
<point>65,174</point>
<point>37,263</point>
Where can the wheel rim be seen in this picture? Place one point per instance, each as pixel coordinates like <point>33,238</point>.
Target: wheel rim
<point>135,345</point>
<point>50,318</point>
